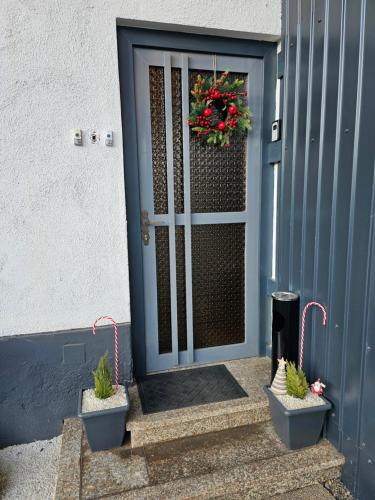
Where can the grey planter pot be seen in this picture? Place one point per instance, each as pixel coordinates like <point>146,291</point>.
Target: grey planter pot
<point>105,429</point>
<point>297,428</point>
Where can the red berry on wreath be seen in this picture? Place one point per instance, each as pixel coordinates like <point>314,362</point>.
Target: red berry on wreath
<point>221,125</point>
<point>233,109</point>
<point>216,94</point>
<point>207,112</point>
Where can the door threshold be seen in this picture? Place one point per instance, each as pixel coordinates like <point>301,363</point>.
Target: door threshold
<point>199,365</point>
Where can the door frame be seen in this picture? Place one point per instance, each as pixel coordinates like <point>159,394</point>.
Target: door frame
<point>127,39</point>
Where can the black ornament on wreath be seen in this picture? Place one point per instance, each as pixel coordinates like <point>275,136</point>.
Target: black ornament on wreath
<point>217,110</point>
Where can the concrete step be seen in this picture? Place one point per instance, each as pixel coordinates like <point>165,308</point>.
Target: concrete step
<point>314,492</point>
<point>251,373</point>
<point>243,462</point>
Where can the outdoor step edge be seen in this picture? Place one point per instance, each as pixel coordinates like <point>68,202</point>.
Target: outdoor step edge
<point>225,483</point>
<point>202,412</point>
<point>199,426</point>
<point>312,492</point>
<point>68,482</point>
<point>232,491</point>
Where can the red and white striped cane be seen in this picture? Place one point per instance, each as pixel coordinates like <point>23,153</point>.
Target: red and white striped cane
<point>307,306</point>
<point>116,341</point>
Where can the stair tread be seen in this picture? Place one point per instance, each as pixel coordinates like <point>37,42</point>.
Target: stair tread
<point>220,451</point>
<point>226,449</point>
<point>313,492</point>
<point>251,374</point>
<point>251,458</point>
<point>259,479</point>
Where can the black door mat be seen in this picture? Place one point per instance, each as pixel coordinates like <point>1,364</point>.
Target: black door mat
<point>183,388</point>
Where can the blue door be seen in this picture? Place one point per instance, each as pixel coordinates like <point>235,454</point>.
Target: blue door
<point>200,215</point>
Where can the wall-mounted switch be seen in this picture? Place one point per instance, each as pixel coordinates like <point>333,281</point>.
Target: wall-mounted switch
<point>109,138</point>
<point>276,131</point>
<point>94,137</point>
<point>77,137</point>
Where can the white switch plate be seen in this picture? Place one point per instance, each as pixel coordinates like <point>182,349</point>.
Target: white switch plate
<point>77,137</point>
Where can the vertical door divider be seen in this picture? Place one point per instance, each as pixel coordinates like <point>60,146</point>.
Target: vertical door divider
<point>171,204</point>
<point>187,207</point>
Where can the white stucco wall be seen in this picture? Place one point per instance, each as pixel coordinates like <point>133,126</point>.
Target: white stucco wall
<point>63,251</point>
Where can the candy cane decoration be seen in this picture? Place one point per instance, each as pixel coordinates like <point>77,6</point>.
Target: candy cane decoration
<point>116,341</point>
<point>307,306</point>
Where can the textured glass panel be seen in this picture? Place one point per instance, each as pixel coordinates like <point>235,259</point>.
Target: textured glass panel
<point>218,259</point>
<point>163,288</point>
<point>218,175</point>
<point>159,151</point>
<point>181,289</point>
<point>177,141</point>
<point>158,137</point>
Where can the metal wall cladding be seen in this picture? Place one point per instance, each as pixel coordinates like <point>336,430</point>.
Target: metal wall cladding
<point>326,224</point>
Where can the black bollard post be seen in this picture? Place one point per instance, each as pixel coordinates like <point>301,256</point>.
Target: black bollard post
<point>285,328</point>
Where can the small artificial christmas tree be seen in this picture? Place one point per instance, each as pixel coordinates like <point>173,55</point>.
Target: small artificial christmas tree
<point>296,382</point>
<point>103,379</point>
<point>279,382</point>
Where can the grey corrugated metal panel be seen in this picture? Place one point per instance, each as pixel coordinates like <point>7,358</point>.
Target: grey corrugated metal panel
<point>359,224</point>
<point>290,45</point>
<point>299,147</point>
<point>344,143</point>
<point>366,477</point>
<point>332,432</point>
<point>366,450</point>
<point>332,25</point>
<point>313,120</point>
<point>333,368</point>
<point>281,56</point>
<point>367,411</point>
<point>336,254</point>
<point>349,470</point>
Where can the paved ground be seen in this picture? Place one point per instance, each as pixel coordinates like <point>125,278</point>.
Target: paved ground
<point>225,464</point>
<point>29,471</point>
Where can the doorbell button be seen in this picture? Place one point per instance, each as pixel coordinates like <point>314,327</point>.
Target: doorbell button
<point>94,137</point>
<point>109,138</point>
<point>276,131</point>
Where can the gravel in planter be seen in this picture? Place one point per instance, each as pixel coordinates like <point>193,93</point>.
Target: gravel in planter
<point>91,403</point>
<point>292,403</point>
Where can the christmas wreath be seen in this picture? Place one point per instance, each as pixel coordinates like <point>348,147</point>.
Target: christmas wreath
<point>217,111</point>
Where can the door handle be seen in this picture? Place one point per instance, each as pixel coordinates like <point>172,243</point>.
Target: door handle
<point>145,223</point>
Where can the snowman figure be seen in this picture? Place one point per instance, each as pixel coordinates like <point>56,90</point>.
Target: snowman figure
<point>318,387</point>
